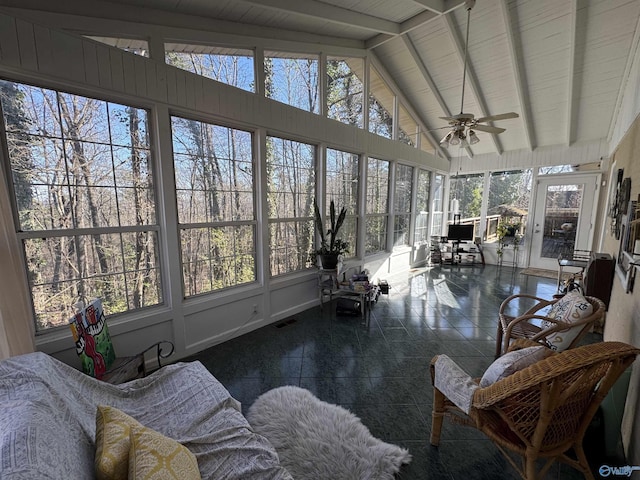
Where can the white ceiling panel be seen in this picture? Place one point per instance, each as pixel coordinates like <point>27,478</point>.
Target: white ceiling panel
<point>560,64</point>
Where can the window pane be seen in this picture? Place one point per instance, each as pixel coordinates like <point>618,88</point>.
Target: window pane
<point>213,167</point>
<point>557,169</point>
<point>292,79</point>
<point>438,200</point>
<point>376,235</point>
<point>233,66</point>
<point>402,205</point>
<point>377,186</point>
<point>214,172</point>
<point>110,267</point>
<point>421,230</point>
<point>290,196</point>
<point>377,205</point>
<point>509,194</point>
<point>214,258</point>
<point>344,90</point>
<point>466,192</point>
<point>342,173</point>
<point>79,162</point>
<point>381,100</point>
<point>290,245</point>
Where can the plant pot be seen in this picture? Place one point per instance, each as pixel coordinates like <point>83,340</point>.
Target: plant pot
<point>329,261</point>
<point>511,231</point>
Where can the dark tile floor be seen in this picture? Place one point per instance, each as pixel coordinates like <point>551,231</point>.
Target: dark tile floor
<point>380,371</point>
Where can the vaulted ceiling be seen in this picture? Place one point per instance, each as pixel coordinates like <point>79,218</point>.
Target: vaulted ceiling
<point>560,64</point>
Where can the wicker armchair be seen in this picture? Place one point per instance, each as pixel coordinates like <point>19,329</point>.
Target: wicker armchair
<point>518,326</point>
<point>541,412</point>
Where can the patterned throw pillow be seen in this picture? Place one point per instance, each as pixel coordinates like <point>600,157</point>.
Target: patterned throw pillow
<point>125,449</point>
<point>511,362</point>
<point>569,309</point>
<point>113,429</point>
<point>155,457</point>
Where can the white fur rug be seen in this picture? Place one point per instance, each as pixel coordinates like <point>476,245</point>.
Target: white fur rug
<point>317,440</point>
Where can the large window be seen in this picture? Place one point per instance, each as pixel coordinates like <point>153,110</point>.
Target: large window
<point>292,79</point>
<point>214,187</point>
<point>345,90</point>
<point>421,229</point>
<point>509,194</point>
<point>466,197</point>
<point>377,203</point>
<point>438,205</point>
<point>402,205</point>
<point>233,66</point>
<point>290,194</point>
<point>82,178</point>
<point>342,174</point>
<point>381,101</point>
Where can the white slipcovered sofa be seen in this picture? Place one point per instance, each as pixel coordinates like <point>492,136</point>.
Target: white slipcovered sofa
<point>48,418</point>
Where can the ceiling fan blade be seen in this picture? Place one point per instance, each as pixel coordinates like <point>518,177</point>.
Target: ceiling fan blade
<point>488,129</point>
<point>449,119</point>
<point>448,127</point>
<point>502,116</point>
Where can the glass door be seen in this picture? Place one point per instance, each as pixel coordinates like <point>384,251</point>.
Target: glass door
<point>563,218</point>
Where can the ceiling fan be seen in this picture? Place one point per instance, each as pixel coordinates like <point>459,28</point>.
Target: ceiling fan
<point>464,125</point>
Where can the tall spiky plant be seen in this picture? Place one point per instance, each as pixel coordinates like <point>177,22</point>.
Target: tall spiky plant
<point>332,233</point>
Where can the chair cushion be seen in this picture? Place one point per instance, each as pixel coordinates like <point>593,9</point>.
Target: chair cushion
<point>454,382</point>
<point>511,362</point>
<point>569,309</point>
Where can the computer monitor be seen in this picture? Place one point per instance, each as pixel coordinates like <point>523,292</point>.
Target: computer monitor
<point>460,233</point>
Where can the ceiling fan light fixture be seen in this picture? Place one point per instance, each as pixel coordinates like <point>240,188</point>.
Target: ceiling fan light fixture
<point>455,139</point>
<point>446,139</point>
<point>473,138</point>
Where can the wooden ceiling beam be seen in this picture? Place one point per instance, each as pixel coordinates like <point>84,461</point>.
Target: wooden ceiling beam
<point>440,6</point>
<point>330,13</point>
<point>515,54</point>
<point>571,105</point>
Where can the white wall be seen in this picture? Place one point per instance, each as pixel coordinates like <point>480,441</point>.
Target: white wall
<point>623,317</point>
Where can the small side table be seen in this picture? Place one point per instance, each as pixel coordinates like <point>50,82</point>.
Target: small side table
<point>578,259</point>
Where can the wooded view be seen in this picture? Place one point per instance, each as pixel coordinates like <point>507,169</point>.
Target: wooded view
<point>83,175</point>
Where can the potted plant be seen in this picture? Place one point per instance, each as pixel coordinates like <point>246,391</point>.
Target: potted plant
<point>508,230</point>
<point>331,247</point>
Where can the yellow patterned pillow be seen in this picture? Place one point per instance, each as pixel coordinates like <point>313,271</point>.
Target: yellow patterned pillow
<point>112,443</point>
<point>126,449</point>
<point>155,457</point>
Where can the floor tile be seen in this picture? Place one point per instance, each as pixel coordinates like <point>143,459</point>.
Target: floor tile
<point>380,371</point>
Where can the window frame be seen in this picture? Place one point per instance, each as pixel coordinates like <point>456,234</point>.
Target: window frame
<point>216,225</point>
<point>381,217</point>
<point>304,224</point>
<point>402,211</point>
<point>75,232</point>
<point>352,210</point>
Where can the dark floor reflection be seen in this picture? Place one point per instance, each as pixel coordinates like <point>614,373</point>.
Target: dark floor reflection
<point>380,371</point>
